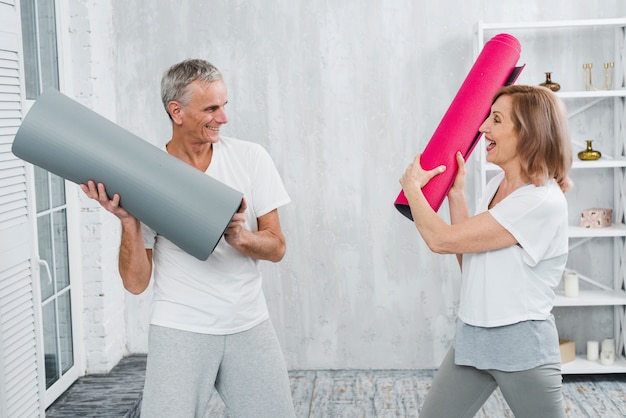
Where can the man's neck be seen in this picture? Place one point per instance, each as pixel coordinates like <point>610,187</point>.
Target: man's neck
<point>198,155</point>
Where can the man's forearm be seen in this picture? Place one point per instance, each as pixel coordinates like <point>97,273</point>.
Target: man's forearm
<point>261,245</point>
<point>135,265</point>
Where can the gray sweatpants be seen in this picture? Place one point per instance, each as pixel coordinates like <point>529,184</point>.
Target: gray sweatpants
<point>247,369</point>
<point>460,391</point>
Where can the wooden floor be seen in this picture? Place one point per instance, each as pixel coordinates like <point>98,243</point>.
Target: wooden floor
<point>400,393</point>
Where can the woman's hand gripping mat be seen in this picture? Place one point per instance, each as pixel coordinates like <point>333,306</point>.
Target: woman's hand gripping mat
<point>494,68</point>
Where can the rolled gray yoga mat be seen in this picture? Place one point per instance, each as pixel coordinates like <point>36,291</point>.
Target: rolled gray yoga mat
<point>178,201</point>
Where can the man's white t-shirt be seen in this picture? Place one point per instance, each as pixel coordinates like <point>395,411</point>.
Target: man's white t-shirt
<point>516,283</point>
<point>222,295</point>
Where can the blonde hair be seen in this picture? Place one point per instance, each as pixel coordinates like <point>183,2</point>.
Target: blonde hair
<point>544,145</point>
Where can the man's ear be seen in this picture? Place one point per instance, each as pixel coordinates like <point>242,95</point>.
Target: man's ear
<point>175,109</point>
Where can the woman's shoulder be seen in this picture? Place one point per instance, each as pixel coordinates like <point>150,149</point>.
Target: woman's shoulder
<point>550,189</point>
<point>548,196</point>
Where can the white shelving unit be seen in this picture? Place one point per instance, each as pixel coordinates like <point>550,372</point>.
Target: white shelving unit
<point>564,46</point>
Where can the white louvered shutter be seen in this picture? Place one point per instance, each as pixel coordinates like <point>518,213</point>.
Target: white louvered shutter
<point>19,383</point>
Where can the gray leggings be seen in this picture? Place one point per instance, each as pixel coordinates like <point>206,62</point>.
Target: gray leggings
<point>247,369</point>
<point>460,391</point>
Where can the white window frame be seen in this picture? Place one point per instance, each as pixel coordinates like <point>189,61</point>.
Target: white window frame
<point>73,237</point>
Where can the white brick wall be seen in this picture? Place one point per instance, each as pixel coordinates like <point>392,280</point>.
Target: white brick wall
<point>92,84</point>
<point>103,294</point>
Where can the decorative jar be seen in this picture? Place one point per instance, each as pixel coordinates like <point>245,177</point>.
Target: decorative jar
<point>550,84</point>
<point>589,154</point>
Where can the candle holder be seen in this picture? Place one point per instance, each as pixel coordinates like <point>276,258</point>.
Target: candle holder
<point>608,75</point>
<point>593,351</point>
<point>608,345</point>
<point>570,282</point>
<point>585,76</point>
<point>588,76</point>
<point>607,358</point>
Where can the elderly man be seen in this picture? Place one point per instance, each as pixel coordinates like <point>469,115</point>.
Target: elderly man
<point>209,325</point>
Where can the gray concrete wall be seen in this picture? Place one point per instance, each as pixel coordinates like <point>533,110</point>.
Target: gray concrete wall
<point>342,94</point>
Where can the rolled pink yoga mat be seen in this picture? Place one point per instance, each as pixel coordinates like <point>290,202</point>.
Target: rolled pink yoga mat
<point>494,68</point>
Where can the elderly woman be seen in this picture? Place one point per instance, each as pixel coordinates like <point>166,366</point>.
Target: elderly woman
<point>512,254</point>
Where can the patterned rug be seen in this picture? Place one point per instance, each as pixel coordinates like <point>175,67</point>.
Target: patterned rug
<point>335,394</point>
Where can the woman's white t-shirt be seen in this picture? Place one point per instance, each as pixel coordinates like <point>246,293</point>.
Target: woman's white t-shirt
<point>516,283</point>
<point>222,295</point>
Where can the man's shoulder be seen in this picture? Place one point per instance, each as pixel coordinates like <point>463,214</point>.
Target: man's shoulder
<point>239,143</point>
<point>242,147</point>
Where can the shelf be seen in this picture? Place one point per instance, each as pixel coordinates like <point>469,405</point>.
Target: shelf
<point>551,44</point>
<point>570,24</point>
<point>591,94</point>
<point>615,230</point>
<point>580,365</point>
<point>601,163</point>
<point>591,298</point>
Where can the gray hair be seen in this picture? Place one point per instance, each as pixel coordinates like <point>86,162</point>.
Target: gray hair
<point>176,80</point>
